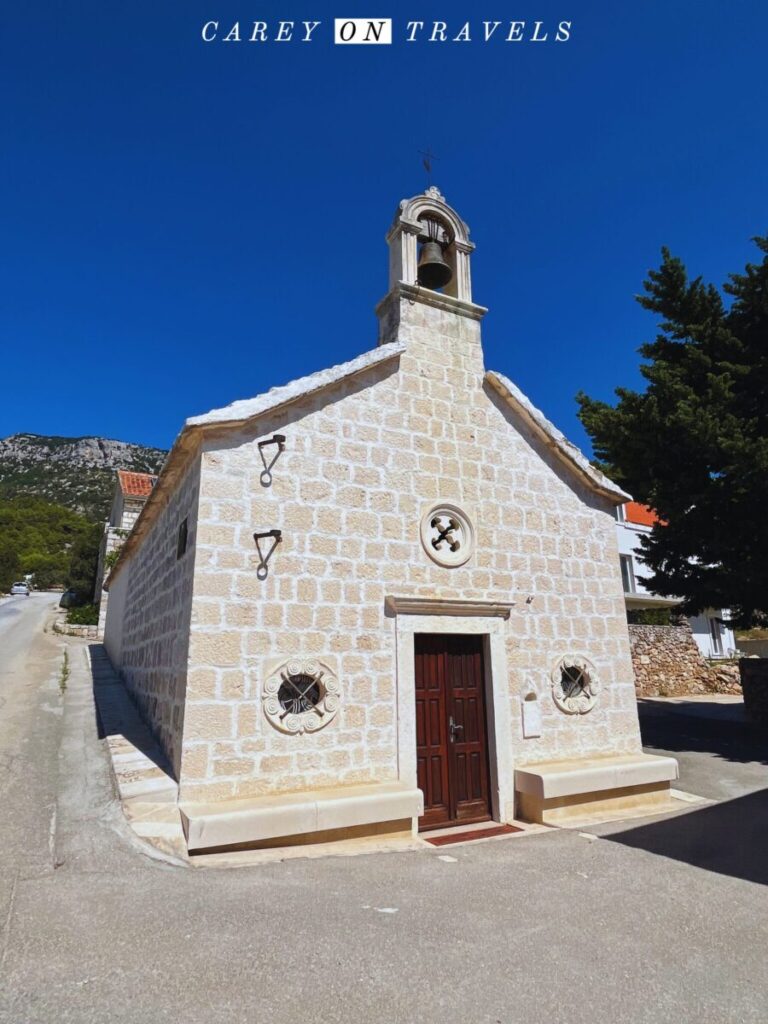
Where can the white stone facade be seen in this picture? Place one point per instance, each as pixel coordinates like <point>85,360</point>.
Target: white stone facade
<point>366,452</point>
<point>148,616</point>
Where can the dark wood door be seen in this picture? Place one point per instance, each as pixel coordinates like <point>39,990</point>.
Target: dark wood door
<point>451,731</point>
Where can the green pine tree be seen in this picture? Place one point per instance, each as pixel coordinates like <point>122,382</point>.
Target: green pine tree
<point>83,562</point>
<point>9,566</point>
<point>694,444</point>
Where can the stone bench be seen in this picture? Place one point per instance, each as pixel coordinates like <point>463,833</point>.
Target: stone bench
<point>556,792</point>
<point>290,818</point>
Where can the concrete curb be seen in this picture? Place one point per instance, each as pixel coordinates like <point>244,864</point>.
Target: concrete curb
<point>84,632</point>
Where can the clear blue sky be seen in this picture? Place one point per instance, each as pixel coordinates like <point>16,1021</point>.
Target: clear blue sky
<point>185,224</point>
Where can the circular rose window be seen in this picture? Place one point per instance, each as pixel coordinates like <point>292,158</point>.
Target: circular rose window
<point>447,535</point>
<point>301,696</point>
<point>574,684</point>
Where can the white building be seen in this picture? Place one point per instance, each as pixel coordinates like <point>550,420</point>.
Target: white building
<point>713,638</point>
<point>130,496</point>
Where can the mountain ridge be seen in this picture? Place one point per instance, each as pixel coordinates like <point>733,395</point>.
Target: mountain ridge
<point>76,472</point>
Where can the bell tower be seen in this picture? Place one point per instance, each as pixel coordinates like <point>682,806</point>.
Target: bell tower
<point>425,234</point>
<point>429,265</point>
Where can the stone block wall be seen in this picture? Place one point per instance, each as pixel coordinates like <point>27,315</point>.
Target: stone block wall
<point>131,511</point>
<point>361,466</point>
<point>152,599</point>
<point>667,663</point>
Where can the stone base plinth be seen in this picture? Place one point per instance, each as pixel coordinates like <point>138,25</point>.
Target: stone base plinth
<point>557,792</point>
<point>290,819</point>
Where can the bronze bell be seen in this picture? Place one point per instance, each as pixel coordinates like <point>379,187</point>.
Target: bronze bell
<point>434,271</point>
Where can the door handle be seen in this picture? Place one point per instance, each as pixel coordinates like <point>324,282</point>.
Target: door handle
<point>454,728</point>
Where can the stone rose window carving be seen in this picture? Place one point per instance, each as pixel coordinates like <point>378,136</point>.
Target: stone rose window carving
<point>447,535</point>
<point>301,695</point>
<point>575,685</point>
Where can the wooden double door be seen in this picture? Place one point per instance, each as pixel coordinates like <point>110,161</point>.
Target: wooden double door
<point>451,730</point>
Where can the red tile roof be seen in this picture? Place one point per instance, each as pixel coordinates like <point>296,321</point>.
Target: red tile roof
<point>634,512</point>
<point>136,485</point>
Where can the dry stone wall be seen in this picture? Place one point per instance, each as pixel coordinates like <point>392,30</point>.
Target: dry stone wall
<point>668,663</point>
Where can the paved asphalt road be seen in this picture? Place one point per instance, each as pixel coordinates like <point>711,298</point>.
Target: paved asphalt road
<point>661,920</point>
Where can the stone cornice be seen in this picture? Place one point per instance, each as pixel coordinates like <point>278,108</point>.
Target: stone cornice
<point>442,606</point>
<point>417,293</point>
<point>248,408</point>
<point>566,452</point>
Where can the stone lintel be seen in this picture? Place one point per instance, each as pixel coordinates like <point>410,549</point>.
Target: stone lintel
<point>439,606</point>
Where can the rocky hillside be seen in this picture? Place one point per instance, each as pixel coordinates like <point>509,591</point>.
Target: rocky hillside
<point>77,472</point>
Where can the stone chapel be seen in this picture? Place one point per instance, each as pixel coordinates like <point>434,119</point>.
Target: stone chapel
<point>384,598</point>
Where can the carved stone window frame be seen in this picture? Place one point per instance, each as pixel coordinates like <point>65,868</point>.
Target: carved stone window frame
<point>444,556</point>
<point>582,703</point>
<point>313,719</point>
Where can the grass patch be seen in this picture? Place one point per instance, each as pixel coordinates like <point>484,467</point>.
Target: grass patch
<point>83,615</point>
<point>64,674</point>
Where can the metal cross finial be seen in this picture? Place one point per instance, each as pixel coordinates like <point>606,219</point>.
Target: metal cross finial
<point>428,157</point>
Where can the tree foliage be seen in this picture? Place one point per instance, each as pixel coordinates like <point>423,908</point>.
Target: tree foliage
<point>694,444</point>
<point>83,561</point>
<point>9,565</point>
<point>45,539</point>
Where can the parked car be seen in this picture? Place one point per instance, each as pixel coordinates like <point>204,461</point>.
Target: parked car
<point>20,588</point>
<point>69,599</point>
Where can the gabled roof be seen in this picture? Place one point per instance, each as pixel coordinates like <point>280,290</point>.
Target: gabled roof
<point>135,485</point>
<point>247,408</point>
<point>240,412</point>
<point>235,415</point>
<point>570,456</point>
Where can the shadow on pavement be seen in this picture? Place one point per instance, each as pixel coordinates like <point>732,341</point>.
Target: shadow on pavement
<point>683,727</point>
<point>117,714</point>
<point>730,838</point>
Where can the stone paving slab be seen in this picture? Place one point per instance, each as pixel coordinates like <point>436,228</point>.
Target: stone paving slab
<point>147,790</point>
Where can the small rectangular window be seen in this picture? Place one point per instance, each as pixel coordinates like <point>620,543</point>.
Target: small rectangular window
<point>627,573</point>
<point>618,511</point>
<point>181,543</point>
<point>716,637</point>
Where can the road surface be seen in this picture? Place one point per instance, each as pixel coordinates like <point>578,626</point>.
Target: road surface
<point>651,922</point>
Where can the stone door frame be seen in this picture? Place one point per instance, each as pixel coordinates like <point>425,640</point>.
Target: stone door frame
<point>488,619</point>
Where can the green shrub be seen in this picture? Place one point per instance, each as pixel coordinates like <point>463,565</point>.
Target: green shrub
<point>38,537</point>
<point>111,558</point>
<point>85,615</point>
<point>649,617</point>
